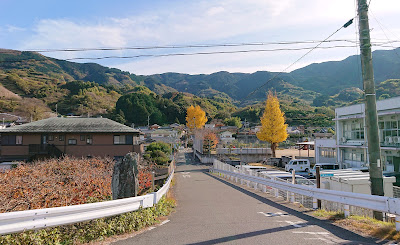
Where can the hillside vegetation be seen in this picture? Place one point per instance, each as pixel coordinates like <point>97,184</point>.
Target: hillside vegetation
<point>308,95</point>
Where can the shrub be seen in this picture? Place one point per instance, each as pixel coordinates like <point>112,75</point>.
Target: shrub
<point>60,182</point>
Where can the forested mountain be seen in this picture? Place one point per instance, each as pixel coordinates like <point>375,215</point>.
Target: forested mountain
<point>330,78</point>
<point>89,88</point>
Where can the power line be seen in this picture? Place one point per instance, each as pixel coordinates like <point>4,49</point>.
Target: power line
<point>208,53</point>
<point>380,44</point>
<point>278,74</point>
<point>381,26</point>
<point>182,46</point>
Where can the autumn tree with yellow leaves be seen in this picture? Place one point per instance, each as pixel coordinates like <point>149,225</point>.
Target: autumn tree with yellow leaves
<point>195,117</point>
<point>273,127</point>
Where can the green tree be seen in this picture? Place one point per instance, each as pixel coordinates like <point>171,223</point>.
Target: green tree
<point>233,121</point>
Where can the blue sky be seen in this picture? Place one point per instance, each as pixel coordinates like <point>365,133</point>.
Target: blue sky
<point>51,24</point>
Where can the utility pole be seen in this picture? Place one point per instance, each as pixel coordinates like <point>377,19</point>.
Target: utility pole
<point>371,118</point>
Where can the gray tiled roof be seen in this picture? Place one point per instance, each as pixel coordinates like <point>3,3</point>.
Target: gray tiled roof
<point>71,125</point>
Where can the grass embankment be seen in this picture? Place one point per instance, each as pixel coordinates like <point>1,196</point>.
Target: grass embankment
<point>365,225</point>
<point>94,230</point>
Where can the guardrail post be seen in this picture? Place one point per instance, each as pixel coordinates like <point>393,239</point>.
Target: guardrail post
<point>155,198</point>
<point>314,203</point>
<point>293,182</point>
<point>264,188</point>
<point>397,221</point>
<point>318,180</point>
<point>276,193</point>
<point>152,180</point>
<point>255,183</point>
<point>346,211</point>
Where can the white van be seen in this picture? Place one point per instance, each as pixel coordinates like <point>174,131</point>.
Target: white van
<point>298,165</point>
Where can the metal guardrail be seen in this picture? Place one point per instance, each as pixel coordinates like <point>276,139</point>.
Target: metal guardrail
<point>377,203</point>
<point>42,218</point>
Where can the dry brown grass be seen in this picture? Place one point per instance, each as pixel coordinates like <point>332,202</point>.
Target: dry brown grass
<point>365,225</point>
<point>54,183</point>
<point>60,182</point>
<point>7,94</point>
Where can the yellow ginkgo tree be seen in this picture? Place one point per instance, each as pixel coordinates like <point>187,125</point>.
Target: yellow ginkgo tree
<point>195,117</point>
<point>273,127</point>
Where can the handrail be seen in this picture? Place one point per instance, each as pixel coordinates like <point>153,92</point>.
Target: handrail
<point>48,217</point>
<point>377,203</point>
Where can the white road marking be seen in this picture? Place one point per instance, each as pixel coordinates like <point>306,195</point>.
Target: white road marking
<point>294,223</point>
<point>310,232</point>
<point>272,214</point>
<point>164,222</point>
<point>323,236</point>
<point>151,228</point>
<point>186,175</point>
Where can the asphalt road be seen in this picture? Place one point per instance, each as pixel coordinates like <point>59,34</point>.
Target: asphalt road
<point>213,211</point>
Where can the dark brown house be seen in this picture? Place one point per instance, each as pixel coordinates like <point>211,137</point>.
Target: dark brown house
<point>79,137</point>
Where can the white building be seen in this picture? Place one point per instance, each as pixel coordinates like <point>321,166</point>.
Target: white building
<point>226,137</point>
<point>351,138</point>
<point>209,126</point>
<point>325,151</point>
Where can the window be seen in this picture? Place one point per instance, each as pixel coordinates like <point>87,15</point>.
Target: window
<point>61,137</point>
<point>354,156</point>
<point>389,134</point>
<point>123,139</point>
<point>89,139</point>
<point>18,140</point>
<point>353,130</point>
<point>50,137</point>
<point>8,140</point>
<point>327,152</point>
<point>119,139</point>
<point>82,137</point>
<point>72,142</point>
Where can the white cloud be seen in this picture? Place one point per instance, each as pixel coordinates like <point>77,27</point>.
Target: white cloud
<point>12,28</point>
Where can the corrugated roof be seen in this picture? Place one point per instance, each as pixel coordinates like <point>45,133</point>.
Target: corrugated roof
<point>71,125</point>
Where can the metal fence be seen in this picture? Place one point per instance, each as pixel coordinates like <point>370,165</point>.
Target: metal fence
<point>42,218</point>
<point>338,200</point>
<point>396,191</point>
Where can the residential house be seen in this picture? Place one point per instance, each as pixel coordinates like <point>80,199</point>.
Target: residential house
<point>78,137</point>
<point>154,126</point>
<point>166,136</point>
<point>226,137</point>
<point>209,126</point>
<point>293,130</point>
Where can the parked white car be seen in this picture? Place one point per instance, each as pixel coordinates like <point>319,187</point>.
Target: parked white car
<point>298,165</point>
<point>323,166</point>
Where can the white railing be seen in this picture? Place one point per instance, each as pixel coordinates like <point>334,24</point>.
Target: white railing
<point>48,217</point>
<point>376,203</point>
